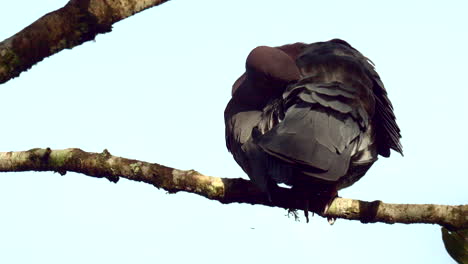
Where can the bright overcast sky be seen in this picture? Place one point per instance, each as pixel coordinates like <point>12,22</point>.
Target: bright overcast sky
<point>155,89</point>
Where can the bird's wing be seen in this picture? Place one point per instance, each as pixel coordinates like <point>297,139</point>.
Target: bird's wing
<point>322,125</point>
<point>387,131</point>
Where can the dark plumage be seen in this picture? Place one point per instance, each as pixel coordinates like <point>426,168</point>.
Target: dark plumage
<point>313,116</point>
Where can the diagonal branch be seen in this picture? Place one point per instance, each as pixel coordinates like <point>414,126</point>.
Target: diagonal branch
<point>72,25</point>
<point>104,165</point>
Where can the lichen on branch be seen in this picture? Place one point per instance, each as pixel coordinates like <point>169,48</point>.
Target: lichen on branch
<point>104,165</point>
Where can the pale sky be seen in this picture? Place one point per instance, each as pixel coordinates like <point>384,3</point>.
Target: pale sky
<point>155,89</point>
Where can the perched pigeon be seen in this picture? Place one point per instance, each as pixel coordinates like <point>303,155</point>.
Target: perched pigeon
<point>311,116</point>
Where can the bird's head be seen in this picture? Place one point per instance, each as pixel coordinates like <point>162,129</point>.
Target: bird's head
<point>268,71</point>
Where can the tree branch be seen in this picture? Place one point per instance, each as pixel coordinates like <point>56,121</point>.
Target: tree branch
<point>104,165</point>
<point>75,23</point>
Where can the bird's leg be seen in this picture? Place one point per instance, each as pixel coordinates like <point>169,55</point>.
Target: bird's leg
<point>316,198</point>
<point>274,194</point>
<point>302,200</point>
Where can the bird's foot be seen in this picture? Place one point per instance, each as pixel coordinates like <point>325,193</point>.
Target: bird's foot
<point>294,213</point>
<point>331,220</point>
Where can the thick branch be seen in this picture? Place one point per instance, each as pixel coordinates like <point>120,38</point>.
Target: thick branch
<point>77,22</point>
<point>104,165</point>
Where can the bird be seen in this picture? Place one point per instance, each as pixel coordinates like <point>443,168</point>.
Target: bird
<point>314,117</point>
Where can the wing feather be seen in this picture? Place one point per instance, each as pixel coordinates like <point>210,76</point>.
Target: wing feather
<point>318,132</point>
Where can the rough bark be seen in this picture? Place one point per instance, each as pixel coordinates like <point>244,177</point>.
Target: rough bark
<point>104,165</point>
<point>77,22</point>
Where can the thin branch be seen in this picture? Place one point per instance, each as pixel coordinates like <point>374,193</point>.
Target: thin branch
<point>75,23</point>
<point>104,165</point>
